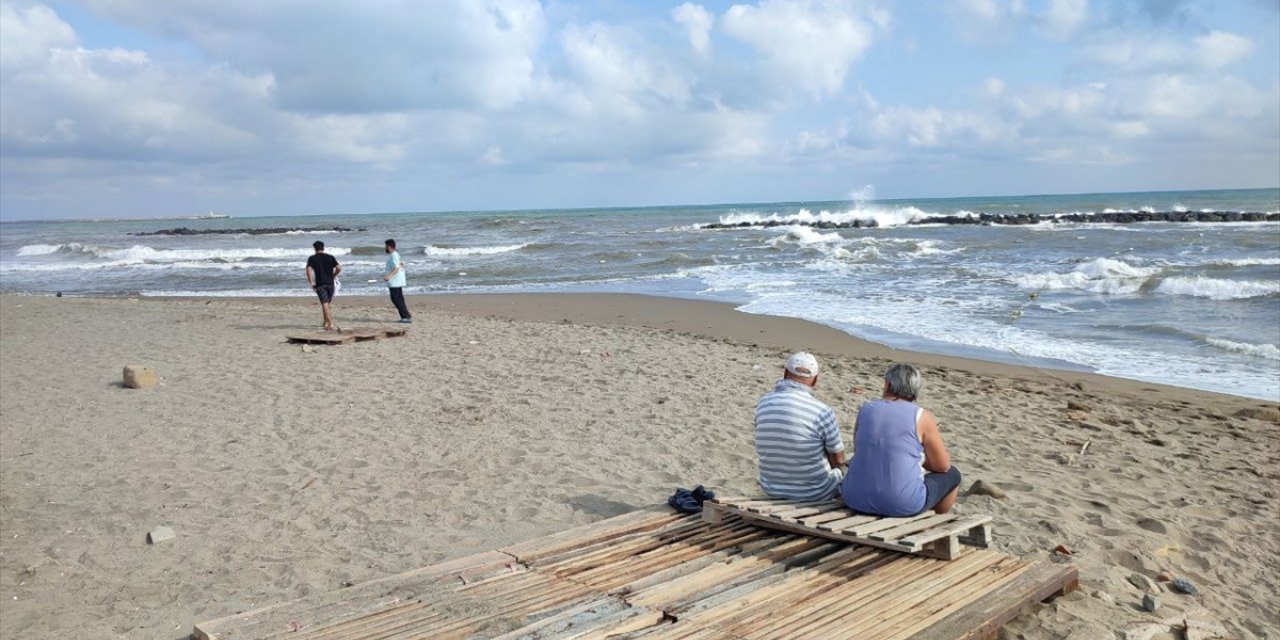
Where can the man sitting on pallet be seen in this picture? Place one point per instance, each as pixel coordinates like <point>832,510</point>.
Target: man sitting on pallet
<point>900,466</point>
<point>797,438</point>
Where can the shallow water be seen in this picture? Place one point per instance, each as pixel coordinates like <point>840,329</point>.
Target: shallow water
<point>1190,304</point>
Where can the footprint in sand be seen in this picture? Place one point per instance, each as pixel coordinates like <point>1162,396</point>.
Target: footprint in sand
<point>445,474</point>
<point>1153,525</point>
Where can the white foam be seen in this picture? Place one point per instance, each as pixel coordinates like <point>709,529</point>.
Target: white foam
<point>143,253</point>
<point>39,249</point>
<point>883,217</point>
<point>932,248</point>
<point>1246,262</point>
<point>458,252</point>
<point>1103,275</point>
<point>1268,351</point>
<point>1217,288</point>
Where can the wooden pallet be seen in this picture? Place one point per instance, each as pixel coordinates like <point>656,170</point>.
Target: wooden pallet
<point>654,574</point>
<point>346,336</point>
<point>929,534</point>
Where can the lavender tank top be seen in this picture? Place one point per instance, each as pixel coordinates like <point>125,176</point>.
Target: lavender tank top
<point>885,475</point>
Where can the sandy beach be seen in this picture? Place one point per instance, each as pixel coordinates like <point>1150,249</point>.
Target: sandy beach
<point>500,418</point>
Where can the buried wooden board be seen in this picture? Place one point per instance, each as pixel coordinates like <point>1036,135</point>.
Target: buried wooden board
<point>346,336</point>
<point>655,574</point>
<point>929,533</point>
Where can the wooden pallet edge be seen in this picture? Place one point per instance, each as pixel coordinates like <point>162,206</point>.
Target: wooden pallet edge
<point>983,617</point>
<point>953,528</point>
<point>773,523</point>
<point>224,627</point>
<point>649,517</point>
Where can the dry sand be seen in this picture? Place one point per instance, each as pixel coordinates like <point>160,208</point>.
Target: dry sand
<point>286,473</point>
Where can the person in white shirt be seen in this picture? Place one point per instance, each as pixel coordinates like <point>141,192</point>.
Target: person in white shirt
<point>395,280</point>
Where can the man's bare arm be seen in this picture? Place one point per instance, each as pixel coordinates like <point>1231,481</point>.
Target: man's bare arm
<point>310,280</point>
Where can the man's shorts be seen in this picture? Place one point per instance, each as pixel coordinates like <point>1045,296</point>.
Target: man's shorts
<point>325,293</point>
<point>938,485</point>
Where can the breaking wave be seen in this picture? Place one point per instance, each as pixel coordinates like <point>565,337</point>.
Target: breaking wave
<point>887,217</point>
<point>1269,351</point>
<point>458,252</point>
<point>1103,275</point>
<point>143,253</point>
<point>1217,288</point>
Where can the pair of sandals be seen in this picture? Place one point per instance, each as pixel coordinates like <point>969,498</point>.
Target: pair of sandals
<point>686,501</point>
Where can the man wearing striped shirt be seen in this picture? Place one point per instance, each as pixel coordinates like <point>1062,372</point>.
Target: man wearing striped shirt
<point>797,438</point>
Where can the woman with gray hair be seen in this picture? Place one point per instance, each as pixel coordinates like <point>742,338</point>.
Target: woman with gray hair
<point>900,466</point>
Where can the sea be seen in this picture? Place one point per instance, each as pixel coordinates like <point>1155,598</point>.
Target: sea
<point>1192,304</point>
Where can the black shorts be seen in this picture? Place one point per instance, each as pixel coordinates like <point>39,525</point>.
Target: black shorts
<point>325,293</point>
<point>938,485</point>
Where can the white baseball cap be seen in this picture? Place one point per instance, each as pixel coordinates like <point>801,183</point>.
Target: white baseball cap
<point>802,364</point>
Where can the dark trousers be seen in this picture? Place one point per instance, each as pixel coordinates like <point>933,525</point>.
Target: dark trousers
<point>397,298</point>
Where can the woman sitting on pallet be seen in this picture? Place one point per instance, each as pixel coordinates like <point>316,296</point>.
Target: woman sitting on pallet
<point>900,466</point>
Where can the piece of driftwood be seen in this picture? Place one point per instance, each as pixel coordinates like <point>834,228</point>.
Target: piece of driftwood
<point>346,336</point>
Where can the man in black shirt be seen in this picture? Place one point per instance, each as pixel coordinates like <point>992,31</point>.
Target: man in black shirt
<point>322,268</point>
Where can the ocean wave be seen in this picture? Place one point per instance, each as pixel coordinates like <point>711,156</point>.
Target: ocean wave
<point>1245,262</point>
<point>931,248</point>
<point>143,253</point>
<point>40,249</point>
<point>458,252</point>
<point>881,217</point>
<point>1103,275</point>
<point>1269,351</point>
<point>1217,288</point>
<point>142,265</point>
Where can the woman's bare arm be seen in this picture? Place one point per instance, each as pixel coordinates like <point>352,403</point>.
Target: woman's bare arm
<point>936,458</point>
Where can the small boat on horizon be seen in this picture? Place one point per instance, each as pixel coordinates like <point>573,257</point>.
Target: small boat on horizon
<point>210,216</point>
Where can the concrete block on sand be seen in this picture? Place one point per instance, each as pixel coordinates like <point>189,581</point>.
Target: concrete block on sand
<point>139,377</point>
<point>160,534</point>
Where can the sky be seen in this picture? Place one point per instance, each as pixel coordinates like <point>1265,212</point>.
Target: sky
<point>122,108</point>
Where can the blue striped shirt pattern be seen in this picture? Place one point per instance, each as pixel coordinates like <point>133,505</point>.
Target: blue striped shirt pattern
<point>794,432</point>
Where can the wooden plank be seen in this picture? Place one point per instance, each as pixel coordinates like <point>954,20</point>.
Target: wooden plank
<point>838,525</point>
<point>795,528</point>
<point>828,507</point>
<point>927,614</point>
<point>346,603</point>
<point>830,516</point>
<point>578,537</point>
<point>913,526</point>
<point>654,573</point>
<point>953,528</point>
<point>320,338</point>
<point>881,524</point>
<point>983,617</point>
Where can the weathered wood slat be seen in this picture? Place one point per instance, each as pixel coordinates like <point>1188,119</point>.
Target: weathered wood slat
<point>346,336</point>
<point>953,528</point>
<point>654,574</point>
<point>913,526</point>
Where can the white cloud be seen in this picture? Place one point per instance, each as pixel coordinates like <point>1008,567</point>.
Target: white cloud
<point>363,57</point>
<point>697,23</point>
<point>29,32</point>
<point>1062,18</point>
<point>808,44</point>
<point>1219,49</point>
<point>1119,51</point>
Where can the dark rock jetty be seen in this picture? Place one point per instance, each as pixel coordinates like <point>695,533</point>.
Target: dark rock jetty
<point>1024,218</point>
<point>251,231</point>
